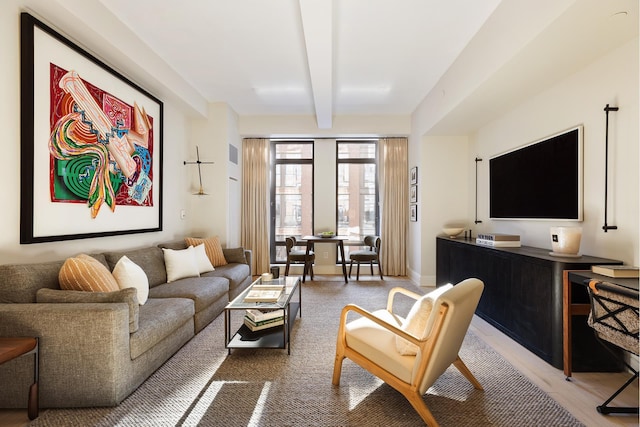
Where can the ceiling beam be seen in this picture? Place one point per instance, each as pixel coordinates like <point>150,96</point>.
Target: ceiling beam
<point>317,26</point>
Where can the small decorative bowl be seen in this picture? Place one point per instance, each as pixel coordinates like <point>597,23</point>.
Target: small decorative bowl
<point>327,234</point>
<point>452,231</point>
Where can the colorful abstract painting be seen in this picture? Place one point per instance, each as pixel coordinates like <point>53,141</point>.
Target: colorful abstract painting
<point>101,147</point>
<point>91,143</point>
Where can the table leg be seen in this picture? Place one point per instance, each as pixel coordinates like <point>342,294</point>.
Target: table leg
<point>344,262</point>
<point>227,329</point>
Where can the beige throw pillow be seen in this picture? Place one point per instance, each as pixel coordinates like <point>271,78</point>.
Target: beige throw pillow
<point>417,319</point>
<point>202,260</point>
<point>85,273</point>
<point>130,275</point>
<point>180,264</point>
<point>213,248</point>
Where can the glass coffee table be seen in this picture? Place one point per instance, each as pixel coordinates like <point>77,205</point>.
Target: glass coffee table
<point>274,337</point>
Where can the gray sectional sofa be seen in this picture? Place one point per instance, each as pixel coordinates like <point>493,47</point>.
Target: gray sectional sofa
<point>96,348</point>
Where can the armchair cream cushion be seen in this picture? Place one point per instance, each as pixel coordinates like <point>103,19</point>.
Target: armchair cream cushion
<point>417,319</point>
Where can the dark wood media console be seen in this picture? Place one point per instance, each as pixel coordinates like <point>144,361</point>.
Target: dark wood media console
<point>522,295</point>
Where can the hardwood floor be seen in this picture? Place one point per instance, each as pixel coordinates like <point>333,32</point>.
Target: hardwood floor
<point>580,396</point>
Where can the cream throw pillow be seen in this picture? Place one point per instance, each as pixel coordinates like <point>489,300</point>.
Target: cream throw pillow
<point>202,260</point>
<point>180,264</point>
<point>85,273</point>
<point>130,275</point>
<point>417,319</point>
<point>213,248</point>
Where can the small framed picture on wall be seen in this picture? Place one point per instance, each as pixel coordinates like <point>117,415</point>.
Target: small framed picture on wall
<point>413,194</point>
<point>413,175</point>
<point>413,213</point>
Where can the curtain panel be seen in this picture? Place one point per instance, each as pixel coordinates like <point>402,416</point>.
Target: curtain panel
<point>394,201</point>
<point>255,202</point>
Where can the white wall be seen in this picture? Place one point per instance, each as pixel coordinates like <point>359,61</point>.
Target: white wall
<point>216,213</point>
<point>580,99</point>
<point>176,135</point>
<point>447,167</point>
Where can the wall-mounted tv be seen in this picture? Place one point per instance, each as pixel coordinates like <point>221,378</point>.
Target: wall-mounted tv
<point>541,180</point>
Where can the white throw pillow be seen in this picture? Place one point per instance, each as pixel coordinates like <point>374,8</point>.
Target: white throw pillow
<point>202,260</point>
<point>128,274</point>
<point>180,264</point>
<point>417,319</point>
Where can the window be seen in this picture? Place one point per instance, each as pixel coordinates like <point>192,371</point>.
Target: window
<point>291,194</point>
<point>357,190</point>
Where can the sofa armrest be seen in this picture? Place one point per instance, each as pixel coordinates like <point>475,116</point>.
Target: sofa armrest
<point>248,254</point>
<point>75,339</point>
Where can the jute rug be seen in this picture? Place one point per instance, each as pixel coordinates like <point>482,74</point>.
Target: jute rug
<point>203,386</point>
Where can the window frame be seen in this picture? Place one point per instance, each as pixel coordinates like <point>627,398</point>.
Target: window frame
<point>360,161</point>
<point>273,243</point>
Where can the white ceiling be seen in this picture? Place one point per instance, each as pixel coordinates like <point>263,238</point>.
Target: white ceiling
<point>372,57</point>
<point>321,57</point>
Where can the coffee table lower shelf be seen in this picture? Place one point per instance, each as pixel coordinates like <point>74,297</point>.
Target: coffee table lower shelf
<point>277,337</point>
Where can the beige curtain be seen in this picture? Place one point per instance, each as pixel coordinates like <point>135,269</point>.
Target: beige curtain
<point>255,202</point>
<point>394,199</point>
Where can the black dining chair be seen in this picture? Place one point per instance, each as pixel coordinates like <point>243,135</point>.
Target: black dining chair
<point>298,257</point>
<point>370,255</point>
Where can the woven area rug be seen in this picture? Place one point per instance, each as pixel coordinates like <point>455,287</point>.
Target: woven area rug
<point>202,385</point>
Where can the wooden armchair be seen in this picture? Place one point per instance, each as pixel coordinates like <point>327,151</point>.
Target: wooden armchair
<point>410,354</point>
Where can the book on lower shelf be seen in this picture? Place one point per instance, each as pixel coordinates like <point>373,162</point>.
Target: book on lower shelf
<point>620,271</point>
<point>499,243</point>
<point>260,316</point>
<point>264,324</point>
<point>258,295</point>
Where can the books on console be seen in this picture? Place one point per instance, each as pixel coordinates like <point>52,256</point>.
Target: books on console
<point>500,240</point>
<point>620,271</point>
<point>498,237</point>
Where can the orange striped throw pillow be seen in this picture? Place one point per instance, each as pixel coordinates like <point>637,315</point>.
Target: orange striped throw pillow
<point>212,247</point>
<point>85,273</point>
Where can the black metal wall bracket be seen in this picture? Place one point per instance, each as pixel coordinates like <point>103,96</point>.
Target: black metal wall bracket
<point>477,221</point>
<point>607,108</point>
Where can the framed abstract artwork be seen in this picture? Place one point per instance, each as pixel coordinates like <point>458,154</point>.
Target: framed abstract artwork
<point>413,213</point>
<point>413,194</point>
<point>91,144</point>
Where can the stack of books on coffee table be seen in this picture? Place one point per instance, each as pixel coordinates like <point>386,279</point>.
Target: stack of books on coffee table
<point>257,320</point>
<point>498,240</point>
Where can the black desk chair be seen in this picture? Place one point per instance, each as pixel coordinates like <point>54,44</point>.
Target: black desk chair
<point>299,257</point>
<point>614,318</point>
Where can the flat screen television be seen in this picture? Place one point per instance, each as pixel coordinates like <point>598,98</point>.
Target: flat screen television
<point>540,181</point>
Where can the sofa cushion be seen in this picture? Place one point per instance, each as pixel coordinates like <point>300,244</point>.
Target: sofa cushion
<point>128,296</point>
<point>180,264</point>
<point>235,273</point>
<point>20,282</point>
<point>235,255</point>
<point>85,273</point>
<point>150,259</point>
<point>212,246</point>
<point>130,275</point>
<point>204,291</point>
<point>159,318</point>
